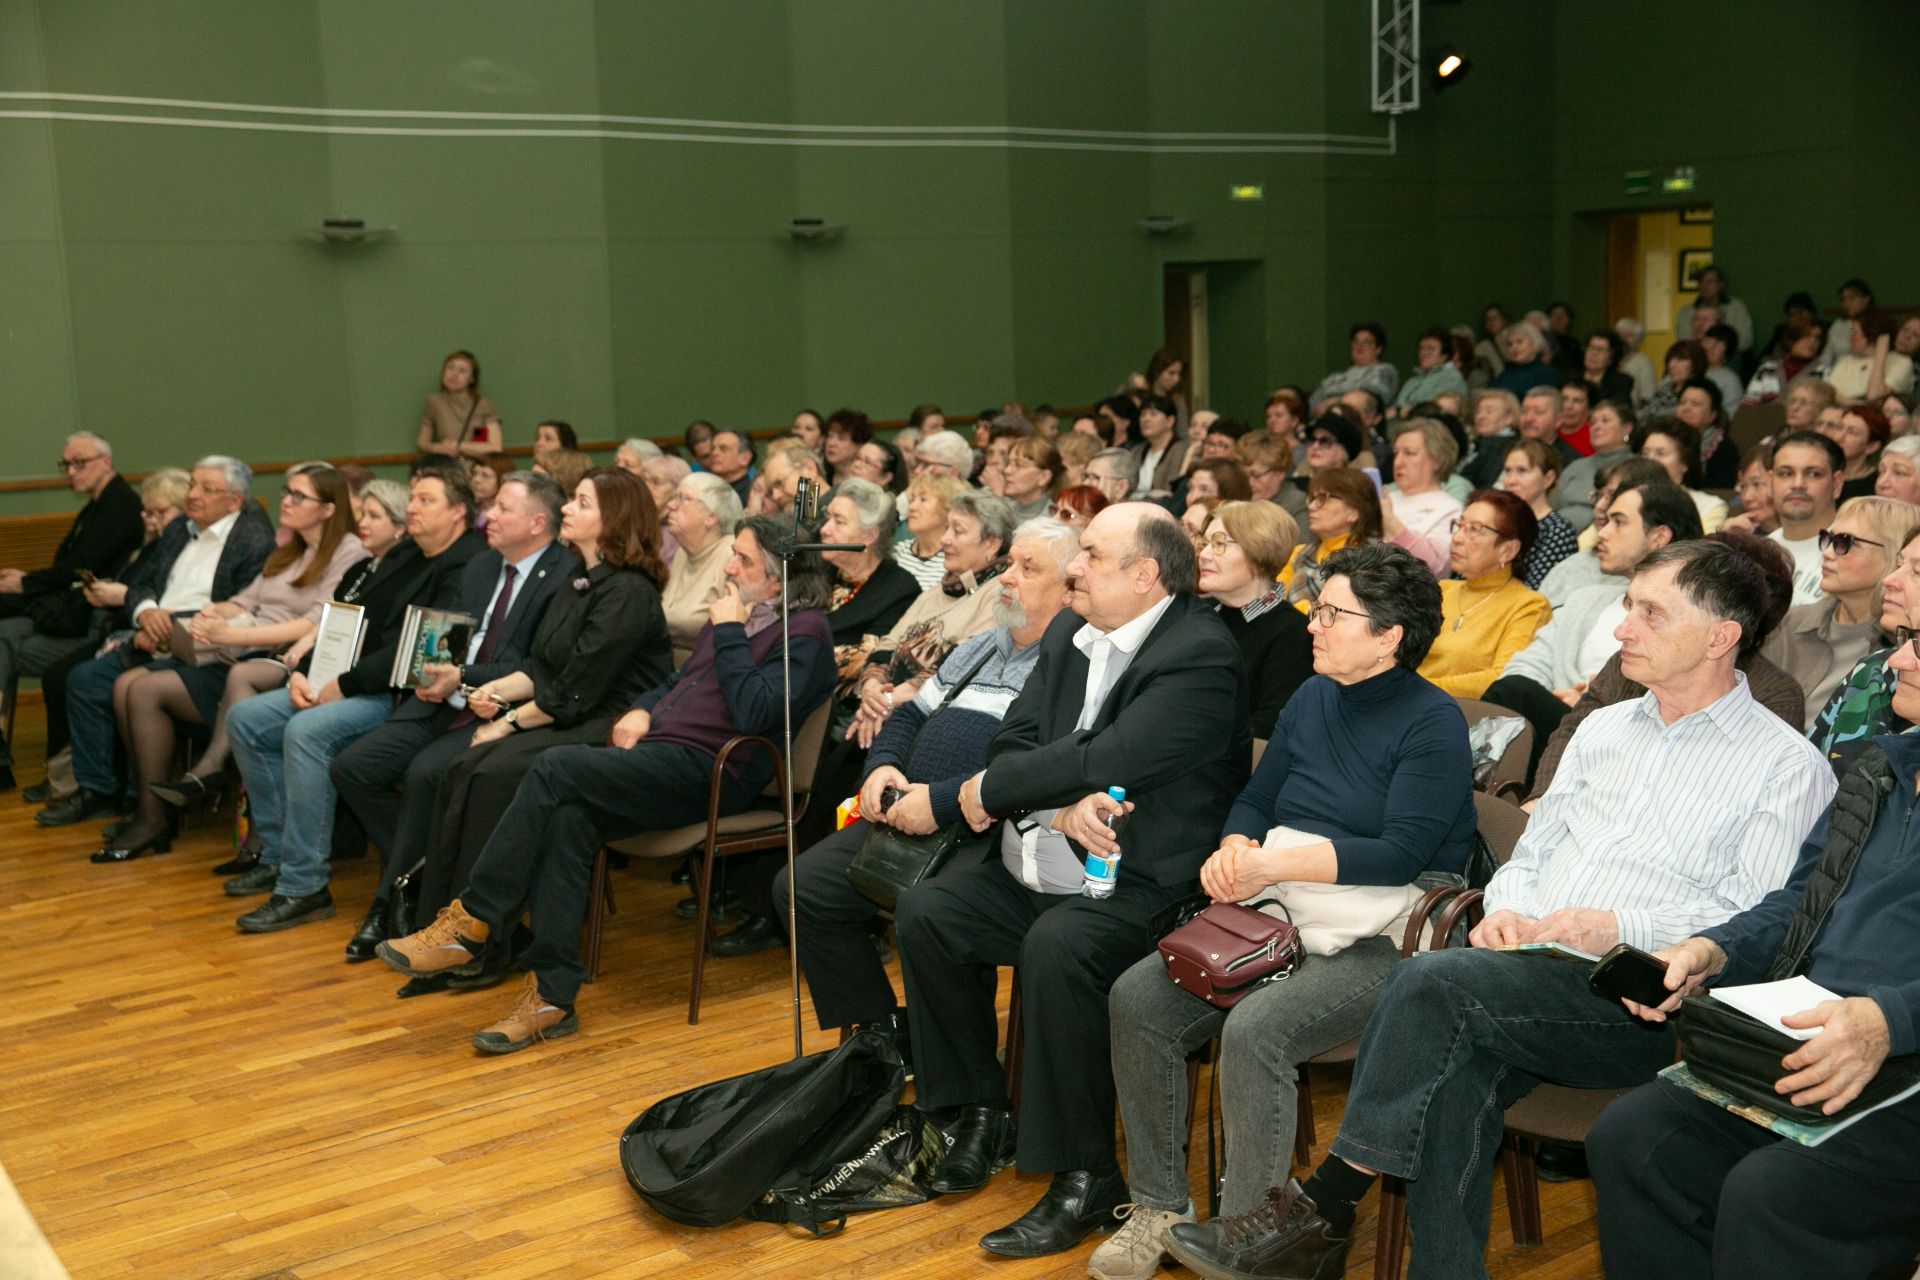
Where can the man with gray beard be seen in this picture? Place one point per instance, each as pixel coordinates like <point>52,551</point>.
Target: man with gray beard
<point>924,751</point>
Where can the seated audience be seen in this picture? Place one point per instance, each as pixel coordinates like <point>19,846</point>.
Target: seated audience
<point>1899,470</point>
<point>917,544</point>
<point>1672,813</point>
<point>1540,420</point>
<point>1771,687</point>
<point>485,483</point>
<point>868,591</point>
<point>1799,353</point>
<point>1861,706</point>
<point>1245,547</point>
<point>1490,614</point>
<point>207,555</point>
<point>1711,287</point>
<point>1366,344</point>
<point>1417,507</point>
<point>1267,460</point>
<point>879,461</point>
<point>1755,493</point>
<point>1332,441</point>
<point>1687,1188</point>
<point>1076,505</point>
<point>1286,414</point>
<point>1685,361</point>
<point>1635,363</point>
<point>1701,408</point>
<point>701,517</point>
<point>43,616</point>
<point>1368,784</point>
<point>1571,428</point>
<point>926,748</point>
<point>1221,479</point>
<point>1870,368</point>
<point>458,421</point>
<point>1489,349</point>
<point>1861,432</point>
<point>655,775</point>
<point>730,456</point>
<point>1160,455</point>
<point>1433,373</point>
<point>1546,678</point>
<point>1721,345</point>
<point>810,428</point>
<point>1194,519</point>
<point>1496,426</point>
<point>1807,397</point>
<point>1676,447</point>
<point>1113,473</point>
<point>1806,489</point>
<point>1166,371</point>
<point>1610,427</point>
<point>1820,643</point>
<point>598,639</point>
<point>1032,476</point>
<point>1527,360</point>
<point>1343,509</point>
<point>1582,569</point>
<point>240,641</point>
<point>633,455</point>
<point>1147,693</point>
<point>1531,474</point>
<point>786,465</point>
<point>567,467</point>
<point>1600,359</point>
<point>662,476</point>
<point>555,434</point>
<point>285,741</point>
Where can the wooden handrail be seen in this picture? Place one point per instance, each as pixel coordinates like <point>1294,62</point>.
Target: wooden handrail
<point>51,483</point>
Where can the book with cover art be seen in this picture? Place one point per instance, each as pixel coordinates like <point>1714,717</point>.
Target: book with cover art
<point>429,636</point>
<point>1807,1135</point>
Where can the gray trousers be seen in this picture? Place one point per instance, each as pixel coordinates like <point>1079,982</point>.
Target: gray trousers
<point>25,650</point>
<point>1263,1041</point>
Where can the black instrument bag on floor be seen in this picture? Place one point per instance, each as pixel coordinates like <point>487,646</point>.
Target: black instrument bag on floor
<point>709,1155</point>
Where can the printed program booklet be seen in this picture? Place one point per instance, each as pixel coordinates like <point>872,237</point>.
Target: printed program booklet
<point>336,643</point>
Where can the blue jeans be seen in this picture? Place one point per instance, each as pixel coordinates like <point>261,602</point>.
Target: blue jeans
<point>1458,1037</point>
<point>286,758</point>
<point>90,721</point>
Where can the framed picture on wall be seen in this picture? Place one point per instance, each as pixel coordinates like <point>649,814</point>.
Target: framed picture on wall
<point>1697,217</point>
<point>1692,263</point>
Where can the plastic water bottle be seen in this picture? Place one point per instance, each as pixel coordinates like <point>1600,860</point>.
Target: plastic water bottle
<point>1103,868</point>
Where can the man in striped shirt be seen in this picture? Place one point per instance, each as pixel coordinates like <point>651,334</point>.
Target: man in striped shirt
<point>1671,814</point>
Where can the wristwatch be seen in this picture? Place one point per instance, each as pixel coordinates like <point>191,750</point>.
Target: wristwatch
<point>513,719</point>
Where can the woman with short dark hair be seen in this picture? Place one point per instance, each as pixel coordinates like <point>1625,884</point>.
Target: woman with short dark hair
<point>1364,789</point>
<point>1343,509</point>
<point>1490,614</point>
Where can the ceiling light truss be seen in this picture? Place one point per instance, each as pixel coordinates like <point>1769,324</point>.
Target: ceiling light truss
<point>1396,56</point>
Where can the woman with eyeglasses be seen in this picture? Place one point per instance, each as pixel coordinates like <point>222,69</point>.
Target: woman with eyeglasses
<point>1489,614</point>
<point>1342,510</point>
<point>1242,550</point>
<point>1365,787</point>
<point>1076,505</point>
<point>276,610</point>
<point>1531,471</point>
<point>1819,643</point>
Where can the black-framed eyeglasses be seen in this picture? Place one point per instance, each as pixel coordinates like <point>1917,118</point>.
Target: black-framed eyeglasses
<point>1842,543</point>
<point>1910,637</point>
<point>1328,614</point>
<point>296,497</point>
<point>74,464</point>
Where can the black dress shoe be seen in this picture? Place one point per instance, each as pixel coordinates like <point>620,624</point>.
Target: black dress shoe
<point>38,793</point>
<point>1284,1238</point>
<point>725,905</point>
<point>372,932</point>
<point>495,961</point>
<point>1076,1205</point>
<point>191,789</point>
<point>246,858</point>
<point>6,774</point>
<point>259,878</point>
<point>982,1146</point>
<point>1560,1162</point>
<point>281,912</point>
<point>755,933</point>
<point>78,807</point>
<point>421,986</point>
<point>160,841</point>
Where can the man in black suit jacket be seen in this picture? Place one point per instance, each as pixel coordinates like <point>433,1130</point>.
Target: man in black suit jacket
<point>1143,689</point>
<point>518,574</point>
<point>43,616</point>
<point>184,574</point>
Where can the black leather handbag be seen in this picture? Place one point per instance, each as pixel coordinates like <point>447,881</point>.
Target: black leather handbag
<point>891,862</point>
<point>1740,1055</point>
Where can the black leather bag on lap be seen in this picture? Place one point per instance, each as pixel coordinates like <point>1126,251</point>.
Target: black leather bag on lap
<point>1739,1054</point>
<point>711,1154</point>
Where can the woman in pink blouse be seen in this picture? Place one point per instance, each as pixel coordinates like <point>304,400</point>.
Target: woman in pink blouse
<point>278,609</point>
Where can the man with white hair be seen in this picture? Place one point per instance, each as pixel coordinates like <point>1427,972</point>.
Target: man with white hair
<point>944,453</point>
<point>926,748</point>
<point>784,467</point>
<point>207,555</point>
<point>662,475</point>
<point>43,616</point>
<point>633,455</point>
<point>1112,472</point>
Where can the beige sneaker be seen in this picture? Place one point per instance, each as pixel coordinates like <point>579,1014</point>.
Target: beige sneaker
<point>453,941</point>
<point>1134,1252</point>
<point>533,1018</point>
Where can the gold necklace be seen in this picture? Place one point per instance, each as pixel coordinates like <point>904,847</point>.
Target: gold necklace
<point>1461,620</point>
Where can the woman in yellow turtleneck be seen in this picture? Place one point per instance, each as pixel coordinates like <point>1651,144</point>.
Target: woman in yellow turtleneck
<point>1488,615</point>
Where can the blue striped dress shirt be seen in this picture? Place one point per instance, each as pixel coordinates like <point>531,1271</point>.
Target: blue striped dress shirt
<point>1675,827</point>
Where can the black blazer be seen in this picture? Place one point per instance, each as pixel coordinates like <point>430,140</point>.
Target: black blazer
<point>1173,732</point>
<point>477,580</point>
<point>246,552</point>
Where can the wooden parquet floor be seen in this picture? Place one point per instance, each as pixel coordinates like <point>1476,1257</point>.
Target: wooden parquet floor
<point>181,1100</point>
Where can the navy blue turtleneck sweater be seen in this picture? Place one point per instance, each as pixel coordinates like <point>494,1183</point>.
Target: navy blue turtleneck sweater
<point>1381,768</point>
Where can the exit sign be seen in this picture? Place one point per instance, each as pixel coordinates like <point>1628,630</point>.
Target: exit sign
<point>1247,191</point>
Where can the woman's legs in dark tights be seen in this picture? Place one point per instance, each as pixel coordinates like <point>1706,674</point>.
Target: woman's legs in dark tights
<point>244,679</point>
<point>153,705</point>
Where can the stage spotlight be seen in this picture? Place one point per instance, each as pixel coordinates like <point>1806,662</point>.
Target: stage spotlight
<point>1448,67</point>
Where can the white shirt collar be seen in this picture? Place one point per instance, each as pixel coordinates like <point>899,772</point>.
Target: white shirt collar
<point>220,528</point>
<point>1128,636</point>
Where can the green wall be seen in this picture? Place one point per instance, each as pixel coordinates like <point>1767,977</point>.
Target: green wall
<point>163,289</point>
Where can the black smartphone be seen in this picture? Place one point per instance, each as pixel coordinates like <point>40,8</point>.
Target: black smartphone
<point>1628,973</point>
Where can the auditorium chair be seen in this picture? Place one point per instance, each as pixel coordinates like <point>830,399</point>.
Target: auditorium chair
<point>763,827</point>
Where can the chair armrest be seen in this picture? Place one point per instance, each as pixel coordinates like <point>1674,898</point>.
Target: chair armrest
<point>1465,905</point>
<point>1430,901</point>
<point>1512,788</point>
<point>719,772</point>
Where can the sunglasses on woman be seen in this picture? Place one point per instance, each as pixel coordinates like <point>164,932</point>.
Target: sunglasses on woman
<point>1842,543</point>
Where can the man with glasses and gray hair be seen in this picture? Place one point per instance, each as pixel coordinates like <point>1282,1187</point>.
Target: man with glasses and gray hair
<point>43,616</point>
<point>207,555</point>
<point>944,453</point>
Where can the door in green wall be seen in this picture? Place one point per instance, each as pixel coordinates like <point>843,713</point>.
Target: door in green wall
<point>1216,317</point>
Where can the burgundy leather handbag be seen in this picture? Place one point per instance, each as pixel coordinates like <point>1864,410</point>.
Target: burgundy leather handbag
<point>1229,951</point>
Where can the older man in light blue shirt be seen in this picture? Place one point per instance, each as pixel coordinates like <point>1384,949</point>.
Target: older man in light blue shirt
<point>1673,813</point>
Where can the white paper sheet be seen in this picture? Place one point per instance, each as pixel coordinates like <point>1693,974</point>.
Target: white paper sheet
<point>1771,1001</point>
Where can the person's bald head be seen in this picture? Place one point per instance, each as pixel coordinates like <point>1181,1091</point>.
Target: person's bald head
<point>1132,556</point>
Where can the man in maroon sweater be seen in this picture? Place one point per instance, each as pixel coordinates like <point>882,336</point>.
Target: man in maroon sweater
<point>655,775</point>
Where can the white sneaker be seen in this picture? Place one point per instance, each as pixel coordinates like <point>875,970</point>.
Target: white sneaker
<point>1134,1251</point>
